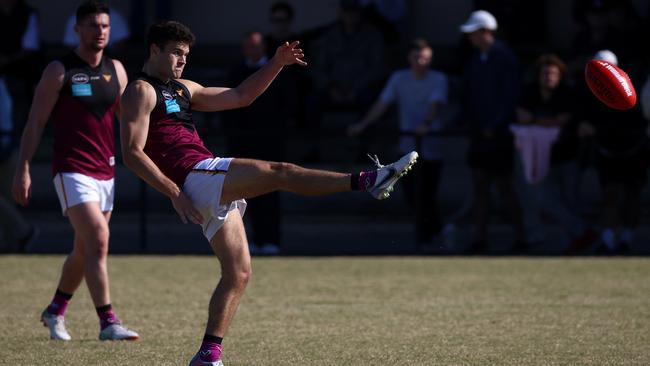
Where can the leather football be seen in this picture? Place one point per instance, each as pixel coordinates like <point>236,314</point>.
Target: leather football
<point>610,84</point>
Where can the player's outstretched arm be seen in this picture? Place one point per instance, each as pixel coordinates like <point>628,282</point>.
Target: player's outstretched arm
<point>45,97</point>
<point>212,99</point>
<point>138,100</point>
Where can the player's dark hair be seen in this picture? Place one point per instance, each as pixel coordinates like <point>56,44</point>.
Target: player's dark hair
<point>549,59</point>
<point>164,32</point>
<point>91,7</point>
<point>283,6</point>
<point>418,44</point>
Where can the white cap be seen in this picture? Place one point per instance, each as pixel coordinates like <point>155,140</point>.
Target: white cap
<point>479,19</point>
<point>606,55</point>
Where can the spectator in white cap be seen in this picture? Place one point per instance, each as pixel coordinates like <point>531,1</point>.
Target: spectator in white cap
<point>479,19</point>
<point>491,88</point>
<point>606,55</point>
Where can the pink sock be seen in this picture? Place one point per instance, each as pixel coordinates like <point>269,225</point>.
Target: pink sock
<point>59,304</point>
<point>367,179</point>
<point>210,351</point>
<point>106,316</point>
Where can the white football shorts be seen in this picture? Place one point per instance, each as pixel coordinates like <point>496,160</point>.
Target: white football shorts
<point>76,188</point>
<point>203,185</point>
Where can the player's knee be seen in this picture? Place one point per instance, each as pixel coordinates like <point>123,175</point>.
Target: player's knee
<point>284,171</point>
<point>97,244</point>
<point>245,276</point>
<point>240,277</point>
<point>98,251</point>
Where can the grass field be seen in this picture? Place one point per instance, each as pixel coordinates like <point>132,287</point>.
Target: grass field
<point>346,311</point>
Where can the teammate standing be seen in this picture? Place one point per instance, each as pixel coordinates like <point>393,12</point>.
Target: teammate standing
<point>161,145</point>
<point>81,94</point>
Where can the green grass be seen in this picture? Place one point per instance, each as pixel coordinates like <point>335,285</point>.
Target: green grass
<point>346,311</point>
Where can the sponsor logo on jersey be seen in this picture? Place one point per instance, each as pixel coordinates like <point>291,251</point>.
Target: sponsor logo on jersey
<point>179,92</point>
<point>167,95</point>
<point>111,161</point>
<point>94,78</point>
<point>107,77</point>
<point>172,107</point>
<point>82,90</point>
<point>80,78</point>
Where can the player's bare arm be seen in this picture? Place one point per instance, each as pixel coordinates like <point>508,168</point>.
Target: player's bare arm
<point>138,100</point>
<point>211,99</point>
<point>122,80</point>
<point>45,97</point>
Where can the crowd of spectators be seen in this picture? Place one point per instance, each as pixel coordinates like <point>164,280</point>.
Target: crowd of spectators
<point>531,125</point>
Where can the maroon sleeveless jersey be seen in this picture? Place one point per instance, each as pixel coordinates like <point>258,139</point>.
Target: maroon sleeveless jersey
<point>84,119</point>
<point>172,142</point>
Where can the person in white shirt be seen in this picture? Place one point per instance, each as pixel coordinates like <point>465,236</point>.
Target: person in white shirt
<point>419,92</point>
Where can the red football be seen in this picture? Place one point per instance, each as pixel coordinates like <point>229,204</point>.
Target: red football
<point>610,84</point>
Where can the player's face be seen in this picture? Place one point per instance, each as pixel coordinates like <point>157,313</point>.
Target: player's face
<point>420,60</point>
<point>94,31</point>
<point>550,76</point>
<point>173,59</point>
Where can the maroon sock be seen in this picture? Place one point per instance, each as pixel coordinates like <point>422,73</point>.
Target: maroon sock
<point>367,179</point>
<point>210,350</point>
<point>106,316</point>
<point>59,303</point>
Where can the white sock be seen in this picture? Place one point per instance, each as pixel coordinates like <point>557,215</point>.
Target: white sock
<point>608,236</point>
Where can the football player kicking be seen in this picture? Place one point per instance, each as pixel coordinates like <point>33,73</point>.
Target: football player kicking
<point>161,145</point>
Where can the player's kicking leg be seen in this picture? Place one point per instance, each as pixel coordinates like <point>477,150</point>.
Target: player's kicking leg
<point>231,247</point>
<point>248,178</point>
